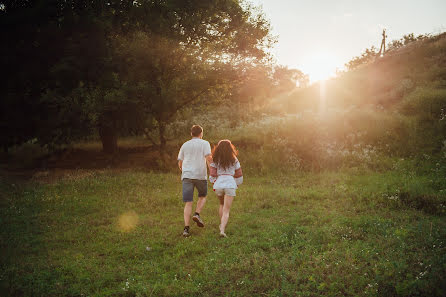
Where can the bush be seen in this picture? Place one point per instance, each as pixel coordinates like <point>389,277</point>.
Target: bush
<point>426,102</point>
<point>26,155</point>
<point>330,140</point>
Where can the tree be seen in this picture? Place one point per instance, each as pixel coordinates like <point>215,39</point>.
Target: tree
<point>52,48</point>
<point>368,56</point>
<point>405,40</point>
<point>84,60</point>
<point>287,79</point>
<point>202,52</point>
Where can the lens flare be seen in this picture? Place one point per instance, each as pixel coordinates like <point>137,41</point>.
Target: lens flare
<point>128,221</point>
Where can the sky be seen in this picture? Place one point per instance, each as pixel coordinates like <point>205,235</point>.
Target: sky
<point>318,36</point>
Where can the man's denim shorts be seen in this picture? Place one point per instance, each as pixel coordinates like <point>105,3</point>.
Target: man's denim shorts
<point>188,188</point>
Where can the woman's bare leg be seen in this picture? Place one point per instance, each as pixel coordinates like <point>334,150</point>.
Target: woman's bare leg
<point>225,216</point>
<point>220,207</point>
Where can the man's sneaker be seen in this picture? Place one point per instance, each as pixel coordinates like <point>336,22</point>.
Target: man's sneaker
<point>223,234</point>
<point>198,220</point>
<point>186,232</point>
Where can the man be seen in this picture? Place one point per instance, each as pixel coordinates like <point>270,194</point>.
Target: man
<point>192,160</point>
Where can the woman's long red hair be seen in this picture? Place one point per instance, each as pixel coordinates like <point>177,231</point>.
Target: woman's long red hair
<point>224,154</point>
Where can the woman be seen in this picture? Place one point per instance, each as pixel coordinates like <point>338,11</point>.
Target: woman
<point>226,175</point>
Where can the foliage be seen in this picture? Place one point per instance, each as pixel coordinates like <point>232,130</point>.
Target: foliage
<point>331,140</point>
<point>164,77</point>
<point>168,74</point>
<point>52,48</point>
<point>405,40</point>
<point>62,53</point>
<point>286,79</point>
<point>396,105</point>
<point>370,54</point>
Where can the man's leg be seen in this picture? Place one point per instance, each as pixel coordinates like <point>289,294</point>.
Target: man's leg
<point>202,187</point>
<point>197,219</point>
<point>200,204</point>
<point>188,197</point>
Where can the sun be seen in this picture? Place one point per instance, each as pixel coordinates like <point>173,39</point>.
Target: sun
<point>320,66</point>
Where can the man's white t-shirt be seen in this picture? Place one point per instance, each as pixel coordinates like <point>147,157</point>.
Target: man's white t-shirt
<point>193,153</point>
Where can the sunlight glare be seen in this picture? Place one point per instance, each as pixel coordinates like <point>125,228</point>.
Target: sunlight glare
<point>320,66</point>
<point>322,97</point>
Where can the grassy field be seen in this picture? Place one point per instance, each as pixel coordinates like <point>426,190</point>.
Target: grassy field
<point>345,233</point>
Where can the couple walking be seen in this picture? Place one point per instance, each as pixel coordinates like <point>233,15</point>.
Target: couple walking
<point>224,172</point>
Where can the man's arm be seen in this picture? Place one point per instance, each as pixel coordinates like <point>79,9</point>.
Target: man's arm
<point>209,161</point>
<point>208,155</point>
<point>180,158</point>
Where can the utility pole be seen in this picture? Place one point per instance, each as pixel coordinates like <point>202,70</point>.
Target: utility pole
<point>382,49</point>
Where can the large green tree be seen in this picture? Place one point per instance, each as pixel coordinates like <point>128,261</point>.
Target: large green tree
<point>117,64</point>
<point>200,50</point>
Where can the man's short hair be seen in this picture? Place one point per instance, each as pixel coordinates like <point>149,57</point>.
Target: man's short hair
<point>196,130</point>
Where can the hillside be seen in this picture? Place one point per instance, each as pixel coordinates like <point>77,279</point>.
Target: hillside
<point>391,79</point>
<point>396,105</point>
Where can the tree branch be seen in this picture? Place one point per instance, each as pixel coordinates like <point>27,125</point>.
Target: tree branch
<point>190,100</point>
<point>150,138</point>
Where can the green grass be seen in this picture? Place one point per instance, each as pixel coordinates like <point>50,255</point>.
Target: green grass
<point>347,233</point>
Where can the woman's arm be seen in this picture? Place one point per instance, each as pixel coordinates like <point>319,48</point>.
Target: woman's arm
<point>238,175</point>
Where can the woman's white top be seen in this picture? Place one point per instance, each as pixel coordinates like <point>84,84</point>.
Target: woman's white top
<point>226,178</point>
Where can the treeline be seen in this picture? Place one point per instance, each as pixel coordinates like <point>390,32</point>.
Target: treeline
<point>71,68</point>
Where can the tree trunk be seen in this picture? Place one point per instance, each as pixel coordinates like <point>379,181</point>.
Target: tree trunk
<point>163,142</point>
<point>109,138</point>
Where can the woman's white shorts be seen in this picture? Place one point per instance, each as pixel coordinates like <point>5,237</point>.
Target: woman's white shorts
<point>223,192</point>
